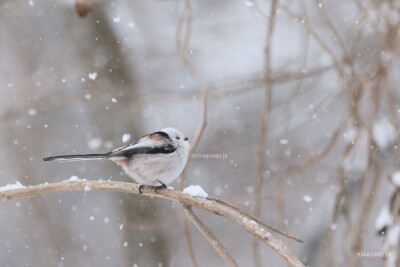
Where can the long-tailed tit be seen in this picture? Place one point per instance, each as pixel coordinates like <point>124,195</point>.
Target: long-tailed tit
<point>155,159</point>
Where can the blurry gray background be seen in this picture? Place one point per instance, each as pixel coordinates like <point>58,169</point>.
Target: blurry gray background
<point>77,85</point>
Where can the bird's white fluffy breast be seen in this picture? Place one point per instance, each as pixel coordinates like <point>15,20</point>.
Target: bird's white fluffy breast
<point>148,168</point>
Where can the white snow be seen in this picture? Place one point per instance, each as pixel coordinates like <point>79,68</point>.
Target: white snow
<point>384,218</point>
<point>125,138</point>
<point>249,3</point>
<point>283,141</point>
<point>32,112</point>
<point>393,235</point>
<point>396,178</point>
<point>218,190</point>
<point>307,198</point>
<point>249,221</point>
<point>92,75</point>
<point>131,25</point>
<point>350,134</point>
<point>383,133</point>
<point>108,145</point>
<point>94,143</point>
<point>250,189</point>
<point>73,179</point>
<point>195,191</point>
<point>116,19</point>
<point>7,187</point>
<point>113,100</point>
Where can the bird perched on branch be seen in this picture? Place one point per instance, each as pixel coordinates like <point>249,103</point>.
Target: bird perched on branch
<point>156,159</point>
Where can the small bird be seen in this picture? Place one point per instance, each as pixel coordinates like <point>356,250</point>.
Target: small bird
<point>156,159</point>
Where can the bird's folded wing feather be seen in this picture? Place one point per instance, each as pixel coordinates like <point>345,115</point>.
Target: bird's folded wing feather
<point>139,148</point>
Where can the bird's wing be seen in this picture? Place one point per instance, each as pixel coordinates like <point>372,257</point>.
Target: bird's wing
<point>141,148</point>
<point>155,143</point>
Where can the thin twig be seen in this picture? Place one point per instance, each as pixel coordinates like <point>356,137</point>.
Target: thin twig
<point>251,216</point>
<point>362,216</point>
<point>210,237</point>
<point>206,204</point>
<point>184,24</point>
<point>328,233</point>
<point>262,137</point>
<point>327,20</point>
<point>338,65</point>
<point>189,243</point>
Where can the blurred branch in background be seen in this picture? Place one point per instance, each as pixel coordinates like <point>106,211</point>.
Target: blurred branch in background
<point>182,46</point>
<point>182,38</point>
<point>264,127</point>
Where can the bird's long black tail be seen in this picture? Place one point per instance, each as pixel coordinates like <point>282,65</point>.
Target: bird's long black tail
<point>66,158</point>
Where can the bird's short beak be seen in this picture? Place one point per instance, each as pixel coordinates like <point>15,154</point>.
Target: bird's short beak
<point>186,139</point>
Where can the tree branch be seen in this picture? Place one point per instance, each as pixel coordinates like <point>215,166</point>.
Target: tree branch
<point>206,204</point>
<point>184,30</point>
<point>182,46</point>
<point>265,118</point>
<point>209,236</point>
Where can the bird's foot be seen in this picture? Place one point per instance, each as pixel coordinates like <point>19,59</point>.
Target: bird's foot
<point>162,186</point>
<point>140,188</point>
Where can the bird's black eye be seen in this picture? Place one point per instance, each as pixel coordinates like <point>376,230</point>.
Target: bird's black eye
<point>186,139</point>
<point>178,138</point>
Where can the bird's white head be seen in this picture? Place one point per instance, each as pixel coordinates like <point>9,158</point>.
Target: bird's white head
<point>178,138</point>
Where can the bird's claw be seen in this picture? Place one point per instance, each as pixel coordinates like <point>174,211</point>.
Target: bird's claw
<point>140,188</point>
<point>162,186</point>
